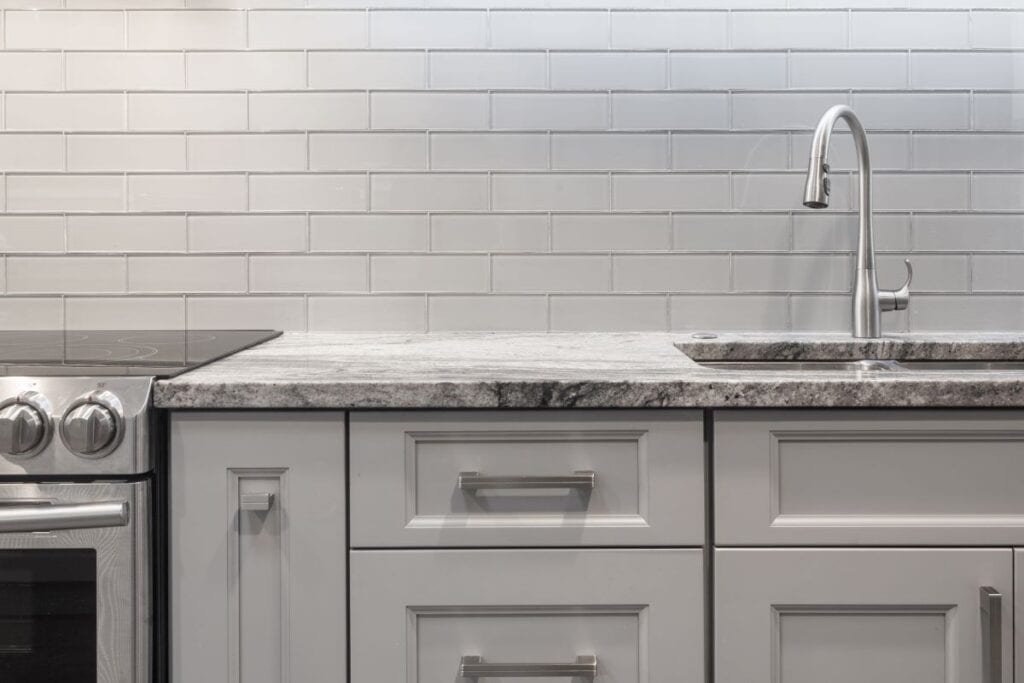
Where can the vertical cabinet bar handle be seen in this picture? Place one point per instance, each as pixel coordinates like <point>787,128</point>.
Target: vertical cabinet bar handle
<point>472,481</point>
<point>991,635</point>
<point>472,666</point>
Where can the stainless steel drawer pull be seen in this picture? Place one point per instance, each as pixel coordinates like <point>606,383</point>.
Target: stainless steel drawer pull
<point>474,667</point>
<point>256,502</point>
<point>582,481</point>
<point>31,517</point>
<point>991,635</point>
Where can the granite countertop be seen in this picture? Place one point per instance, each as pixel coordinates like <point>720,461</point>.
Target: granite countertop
<point>590,370</point>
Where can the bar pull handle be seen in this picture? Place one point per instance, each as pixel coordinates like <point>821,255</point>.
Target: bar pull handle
<point>581,481</point>
<point>585,666</point>
<point>256,502</point>
<point>30,518</point>
<point>991,635</point>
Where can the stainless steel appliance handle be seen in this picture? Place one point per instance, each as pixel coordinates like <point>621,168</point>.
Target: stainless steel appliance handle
<point>473,666</point>
<point>35,517</point>
<point>991,635</point>
<point>583,481</point>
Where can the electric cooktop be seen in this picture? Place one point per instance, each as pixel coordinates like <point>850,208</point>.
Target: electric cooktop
<point>155,353</point>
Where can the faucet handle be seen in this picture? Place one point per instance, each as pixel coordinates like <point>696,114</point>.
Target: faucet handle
<point>897,299</point>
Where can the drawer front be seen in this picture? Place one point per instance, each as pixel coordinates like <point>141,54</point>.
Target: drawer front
<point>869,477</point>
<point>527,478</point>
<point>419,614</point>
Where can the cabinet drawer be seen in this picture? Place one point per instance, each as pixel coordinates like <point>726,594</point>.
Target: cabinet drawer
<point>417,613</point>
<point>527,478</point>
<point>869,477</point>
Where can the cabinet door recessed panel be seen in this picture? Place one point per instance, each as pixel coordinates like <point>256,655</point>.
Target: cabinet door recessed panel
<point>527,478</point>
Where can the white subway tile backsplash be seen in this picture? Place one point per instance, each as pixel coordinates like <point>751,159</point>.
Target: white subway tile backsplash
<point>489,232</point>
<point>31,152</point>
<point>247,152</point>
<point>429,192</point>
<point>999,111</point>
<point>904,30</point>
<point>31,313</point>
<point>308,111</point>
<point>997,29</point>
<point>433,273</point>
<point>670,111</point>
<point>731,232</point>
<point>64,30</point>
<point>306,29</point>
<point>968,151</point>
<point>913,111</point>
<point>781,110</point>
<point>307,273</point>
<point>61,274</point>
<point>307,192</point>
<point>551,273</point>
<point>625,151</point>
<point>361,232</point>
<point>30,71</point>
<point>670,191</point>
<point>860,70</point>
<point>565,30</point>
<point>246,233</point>
<point>671,273</point>
<point>608,313</point>
<point>778,191</point>
<point>997,192</point>
<point>111,233</point>
<point>488,70</point>
<point>123,70</point>
<point>966,233</point>
<point>965,71</point>
<point>791,273</point>
<point>817,231</point>
<point>932,273</point>
<point>728,70</point>
<point>549,111</point>
<point>31,234</point>
<point>125,313</point>
<point>924,192</point>
<point>65,193</point>
<point>251,312</point>
<point>367,151</point>
<point>489,151</point>
<point>610,232</point>
<point>186,274</point>
<point>378,70</point>
<point>379,313</point>
<point>428,110</point>
<point>550,192</point>
<point>492,313</point>
<point>609,70</point>
<point>977,312</point>
<point>889,151</point>
<point>433,29</point>
<point>181,30</point>
<point>729,151</point>
<point>64,111</point>
<point>789,30</point>
<point>996,272</point>
<point>126,152</point>
<point>669,30</point>
<point>195,192</point>
<point>246,70</point>
<point>717,313</point>
<point>186,111</point>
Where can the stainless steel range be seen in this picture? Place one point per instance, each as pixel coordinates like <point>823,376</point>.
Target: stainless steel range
<point>82,534</point>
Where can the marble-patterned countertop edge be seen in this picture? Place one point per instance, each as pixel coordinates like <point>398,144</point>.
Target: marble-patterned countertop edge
<point>587,370</point>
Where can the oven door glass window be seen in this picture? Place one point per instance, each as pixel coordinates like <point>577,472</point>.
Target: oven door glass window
<point>48,616</point>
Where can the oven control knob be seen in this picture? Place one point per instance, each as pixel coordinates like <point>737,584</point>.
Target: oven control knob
<point>24,425</point>
<point>93,426</point>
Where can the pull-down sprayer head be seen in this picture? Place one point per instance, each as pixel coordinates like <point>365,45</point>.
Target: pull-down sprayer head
<point>818,186</point>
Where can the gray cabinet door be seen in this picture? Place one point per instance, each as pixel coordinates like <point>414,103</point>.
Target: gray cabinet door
<point>417,613</point>
<point>844,477</point>
<point>855,615</point>
<point>258,547</point>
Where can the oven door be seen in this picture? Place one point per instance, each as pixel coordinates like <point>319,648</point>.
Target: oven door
<point>74,583</point>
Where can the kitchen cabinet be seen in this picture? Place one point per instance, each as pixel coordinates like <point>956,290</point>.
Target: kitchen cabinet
<point>258,547</point>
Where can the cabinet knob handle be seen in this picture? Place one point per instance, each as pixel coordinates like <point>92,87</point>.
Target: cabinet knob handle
<point>582,481</point>
<point>991,635</point>
<point>256,502</point>
<point>472,666</point>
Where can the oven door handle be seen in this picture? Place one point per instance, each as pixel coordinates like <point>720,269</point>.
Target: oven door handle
<point>29,518</point>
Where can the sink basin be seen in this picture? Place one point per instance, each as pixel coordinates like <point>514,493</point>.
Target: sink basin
<point>868,365</point>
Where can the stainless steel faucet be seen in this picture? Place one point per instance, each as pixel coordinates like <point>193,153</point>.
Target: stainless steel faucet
<point>868,300</point>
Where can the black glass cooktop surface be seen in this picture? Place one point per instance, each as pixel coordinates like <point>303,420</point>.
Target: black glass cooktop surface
<point>157,353</point>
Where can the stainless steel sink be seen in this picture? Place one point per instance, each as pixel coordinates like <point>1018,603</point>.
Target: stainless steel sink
<point>865,366</point>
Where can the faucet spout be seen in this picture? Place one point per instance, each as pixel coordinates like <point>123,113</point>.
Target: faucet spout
<point>868,300</point>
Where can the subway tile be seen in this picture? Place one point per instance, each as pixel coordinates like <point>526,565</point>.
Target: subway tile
<point>30,71</point>
<point>246,70</point>
<point>429,273</point>
<point>377,313</point>
<point>959,232</point>
<point>997,29</point>
<point>968,151</point>
<point>819,231</point>
<point>186,30</point>
<point>431,29</point>
<point>376,70</point>
<point>838,70</point>
<point>186,111</point>
<point>626,151</point>
<point>782,110</point>
<point>126,152</point>
<point>824,313</point>
<point>550,192</point>
<point>995,272</point>
<point>908,30</point>
<point>31,313</point>
<point>358,232</point>
<point>609,71</point>
<point>31,234</point>
<point>791,273</point>
<point>781,192</point>
<point>307,273</point>
<point>489,151</point>
<point>307,111</point>
<point>64,274</point>
<point>113,233</point>
<point>670,111</point>
<point>550,111</point>
<point>997,192</point>
<point>728,71</point>
<point>547,30</point>
<point>247,152</point>
<point>31,152</point>
<point>253,312</point>
<point>671,273</point>
<point>65,193</point>
<point>488,70</point>
<point>921,192</point>
<point>999,111</point>
<point>489,232</point>
<point>196,192</point>
<point>307,30</point>
<point>131,313</point>
<point>889,151</point>
<point>664,192</point>
<point>186,274</point>
<point>609,313</point>
<point>610,232</point>
<point>64,111</point>
<point>367,151</point>
<point>428,192</point>
<point>125,70</point>
<point>950,313</point>
<point>789,30</point>
<point>728,313</point>
<point>65,30</point>
<point>730,232</point>
<point>730,151</point>
<point>246,233</point>
<point>669,30</point>
<point>428,110</point>
<point>492,313</point>
<point>551,273</point>
<point>932,273</point>
<point>913,111</point>
<point>307,192</point>
<point>967,70</point>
